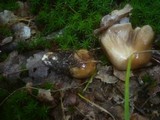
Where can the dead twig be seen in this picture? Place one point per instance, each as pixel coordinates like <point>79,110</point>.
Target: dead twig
<point>110,23</point>
<point>97,106</point>
<point>62,106</point>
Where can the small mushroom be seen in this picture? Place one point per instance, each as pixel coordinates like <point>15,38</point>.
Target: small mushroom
<point>86,64</point>
<point>79,64</point>
<point>120,41</point>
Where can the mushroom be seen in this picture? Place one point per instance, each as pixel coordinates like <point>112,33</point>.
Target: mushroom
<point>87,64</point>
<point>79,64</point>
<point>120,41</point>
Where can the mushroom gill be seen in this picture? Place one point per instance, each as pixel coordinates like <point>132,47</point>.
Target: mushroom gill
<point>120,41</point>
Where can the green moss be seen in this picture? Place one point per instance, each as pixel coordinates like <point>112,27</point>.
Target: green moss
<point>40,5</point>
<point>147,79</point>
<point>39,43</point>
<point>3,56</point>
<point>145,12</point>
<point>22,46</point>
<point>5,32</point>
<point>8,5</point>
<point>48,85</point>
<point>21,106</point>
<point>77,18</point>
<point>36,43</point>
<point>3,94</point>
<point>80,18</point>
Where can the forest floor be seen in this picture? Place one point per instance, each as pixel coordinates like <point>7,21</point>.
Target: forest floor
<point>30,90</point>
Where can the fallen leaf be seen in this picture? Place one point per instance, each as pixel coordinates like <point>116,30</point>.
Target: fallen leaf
<point>21,31</point>
<point>7,17</point>
<point>105,75</point>
<point>136,116</point>
<point>6,40</point>
<point>37,70</point>
<point>70,99</point>
<point>45,95</point>
<point>29,87</point>
<point>120,74</point>
<point>13,65</point>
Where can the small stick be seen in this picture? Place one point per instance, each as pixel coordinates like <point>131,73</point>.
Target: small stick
<point>62,106</point>
<point>110,23</point>
<point>97,106</point>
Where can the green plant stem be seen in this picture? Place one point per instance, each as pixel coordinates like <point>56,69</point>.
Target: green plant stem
<point>89,81</point>
<point>127,103</point>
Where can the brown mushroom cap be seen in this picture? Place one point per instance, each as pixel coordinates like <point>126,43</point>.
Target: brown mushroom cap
<point>120,41</point>
<point>87,64</point>
<point>79,64</point>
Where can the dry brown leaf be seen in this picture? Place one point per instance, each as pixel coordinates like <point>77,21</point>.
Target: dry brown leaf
<point>137,116</point>
<point>45,95</point>
<point>29,87</point>
<point>6,40</point>
<point>120,74</point>
<point>105,75</point>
